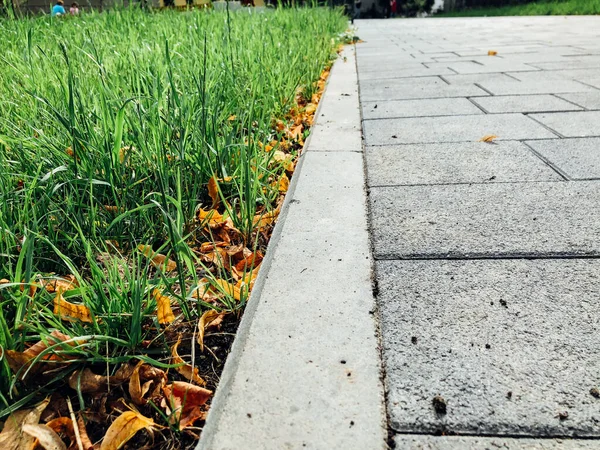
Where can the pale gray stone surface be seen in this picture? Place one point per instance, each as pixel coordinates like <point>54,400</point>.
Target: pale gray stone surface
<point>535,87</point>
<point>473,331</point>
<point>464,162</point>
<point>589,100</point>
<point>524,104</point>
<point>418,108</point>
<point>572,124</point>
<point>424,442</point>
<point>578,159</point>
<point>452,129</point>
<point>412,88</point>
<point>486,220</point>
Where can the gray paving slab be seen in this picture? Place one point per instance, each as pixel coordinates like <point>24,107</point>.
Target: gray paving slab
<point>424,442</point>
<point>464,162</point>
<point>486,220</point>
<point>414,88</point>
<point>535,87</point>
<point>508,344</point>
<point>488,65</point>
<point>524,104</point>
<point>578,159</point>
<point>589,100</point>
<point>410,72</point>
<point>477,78</point>
<point>572,124</point>
<point>418,108</point>
<point>452,129</point>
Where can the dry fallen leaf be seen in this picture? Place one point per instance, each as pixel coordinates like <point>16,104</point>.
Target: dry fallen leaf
<point>123,429</point>
<point>158,260</point>
<point>64,283</point>
<point>86,443</point>
<point>164,313</point>
<point>488,138</point>
<point>229,289</point>
<point>70,311</point>
<point>208,319</point>
<point>492,53</point>
<point>87,381</point>
<point>46,436</point>
<point>189,372</point>
<point>185,401</point>
<point>213,192</point>
<point>63,425</point>
<point>136,389</point>
<point>12,436</point>
<point>284,183</point>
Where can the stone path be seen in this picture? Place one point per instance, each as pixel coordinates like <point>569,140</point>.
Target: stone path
<point>486,254</point>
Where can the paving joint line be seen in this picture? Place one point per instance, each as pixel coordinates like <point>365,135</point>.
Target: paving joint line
<point>547,162</point>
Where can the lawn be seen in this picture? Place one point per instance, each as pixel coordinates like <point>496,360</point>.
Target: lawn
<point>541,8</point>
<point>144,157</point>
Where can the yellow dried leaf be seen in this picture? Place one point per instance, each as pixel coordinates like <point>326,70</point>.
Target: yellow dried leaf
<point>212,216</point>
<point>158,260</point>
<point>185,369</point>
<point>488,138</point>
<point>208,318</point>
<point>213,192</point>
<point>310,108</point>
<point>229,289</point>
<point>46,436</point>
<point>232,117</point>
<point>284,183</point>
<point>70,311</point>
<point>124,428</point>
<point>65,284</point>
<point>263,220</point>
<point>164,313</point>
<point>492,53</point>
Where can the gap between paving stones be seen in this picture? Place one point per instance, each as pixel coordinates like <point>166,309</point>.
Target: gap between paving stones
<point>304,370</point>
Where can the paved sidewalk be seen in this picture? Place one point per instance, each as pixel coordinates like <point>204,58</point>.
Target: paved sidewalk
<point>486,253</point>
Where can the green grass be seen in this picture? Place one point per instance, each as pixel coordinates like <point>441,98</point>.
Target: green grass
<point>133,110</point>
<point>541,8</point>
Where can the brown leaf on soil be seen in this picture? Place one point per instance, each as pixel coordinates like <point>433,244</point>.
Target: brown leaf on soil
<point>184,402</point>
<point>189,372</point>
<point>87,381</point>
<point>492,52</point>
<point>252,260</point>
<point>164,313</point>
<point>209,319</point>
<point>70,311</point>
<point>86,443</point>
<point>124,428</point>
<point>21,360</point>
<point>64,426</point>
<point>158,260</point>
<point>488,138</point>
<point>46,436</point>
<point>12,436</point>
<point>213,192</point>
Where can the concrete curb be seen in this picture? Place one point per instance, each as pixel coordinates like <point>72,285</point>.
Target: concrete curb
<point>304,370</point>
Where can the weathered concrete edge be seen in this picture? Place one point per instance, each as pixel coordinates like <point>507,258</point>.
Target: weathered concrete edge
<point>210,433</point>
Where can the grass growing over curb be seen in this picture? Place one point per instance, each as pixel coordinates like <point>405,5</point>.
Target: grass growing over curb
<point>541,8</point>
<point>143,158</point>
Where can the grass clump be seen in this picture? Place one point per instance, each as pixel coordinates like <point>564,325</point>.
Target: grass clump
<point>143,156</point>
